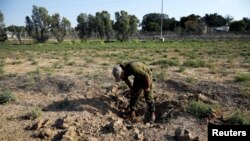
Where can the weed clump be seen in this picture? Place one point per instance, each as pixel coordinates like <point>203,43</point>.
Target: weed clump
<point>243,77</point>
<point>199,109</point>
<point>6,96</point>
<point>195,63</point>
<point>239,118</point>
<point>36,112</point>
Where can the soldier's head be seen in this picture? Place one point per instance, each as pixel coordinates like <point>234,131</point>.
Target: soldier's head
<point>117,73</point>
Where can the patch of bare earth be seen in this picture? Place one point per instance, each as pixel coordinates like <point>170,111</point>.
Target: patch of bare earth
<point>81,108</point>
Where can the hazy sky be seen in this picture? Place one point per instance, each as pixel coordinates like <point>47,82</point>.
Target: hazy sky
<point>15,11</point>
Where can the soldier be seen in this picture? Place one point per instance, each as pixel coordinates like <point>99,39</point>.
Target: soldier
<point>142,83</point>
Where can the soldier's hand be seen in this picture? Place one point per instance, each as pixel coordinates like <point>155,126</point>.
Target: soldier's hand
<point>115,88</point>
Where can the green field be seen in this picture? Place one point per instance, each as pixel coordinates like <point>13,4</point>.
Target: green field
<point>193,79</point>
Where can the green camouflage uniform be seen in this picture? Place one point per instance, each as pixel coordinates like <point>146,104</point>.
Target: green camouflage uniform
<point>140,71</point>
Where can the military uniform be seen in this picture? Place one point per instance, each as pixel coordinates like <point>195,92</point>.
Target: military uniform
<point>140,71</point>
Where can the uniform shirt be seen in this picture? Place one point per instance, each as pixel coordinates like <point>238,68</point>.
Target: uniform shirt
<point>138,69</point>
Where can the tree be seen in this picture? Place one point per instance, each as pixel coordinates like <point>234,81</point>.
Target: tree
<point>39,24</point>
<point>133,25</point>
<point>17,31</point>
<point>82,26</point>
<point>191,17</point>
<point>125,25</point>
<point>228,19</point>
<point>247,22</point>
<point>192,27</point>
<point>238,26</point>
<point>99,25</point>
<point>191,24</point>
<point>3,35</point>
<point>215,20</point>
<point>122,25</point>
<point>91,24</point>
<point>152,22</point>
<point>60,27</point>
<point>104,24</point>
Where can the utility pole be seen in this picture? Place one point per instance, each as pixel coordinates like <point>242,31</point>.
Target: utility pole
<point>162,19</point>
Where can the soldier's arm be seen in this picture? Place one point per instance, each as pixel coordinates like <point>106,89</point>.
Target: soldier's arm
<point>128,82</point>
<point>148,82</point>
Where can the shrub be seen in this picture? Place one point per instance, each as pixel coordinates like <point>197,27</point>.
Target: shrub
<point>6,96</point>
<point>199,109</point>
<point>36,112</point>
<point>243,77</point>
<point>238,117</point>
<point>181,69</point>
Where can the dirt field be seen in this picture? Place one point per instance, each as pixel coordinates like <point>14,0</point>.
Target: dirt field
<point>64,91</point>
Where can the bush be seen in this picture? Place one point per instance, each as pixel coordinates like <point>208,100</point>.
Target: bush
<point>181,69</point>
<point>238,117</point>
<point>36,112</point>
<point>199,109</point>
<point>6,96</point>
<point>243,77</point>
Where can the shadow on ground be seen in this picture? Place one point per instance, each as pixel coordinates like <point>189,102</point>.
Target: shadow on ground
<point>92,105</point>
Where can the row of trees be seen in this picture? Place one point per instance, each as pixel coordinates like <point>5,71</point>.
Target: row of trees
<point>40,25</point>
<point>101,24</point>
<point>193,23</point>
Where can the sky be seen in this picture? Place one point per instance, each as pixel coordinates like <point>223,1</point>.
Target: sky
<point>15,11</point>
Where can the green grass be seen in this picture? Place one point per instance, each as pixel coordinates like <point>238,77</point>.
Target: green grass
<point>160,75</point>
<point>16,62</point>
<point>6,96</point>
<point>194,63</point>
<point>191,80</point>
<point>35,113</point>
<point>166,62</point>
<point>243,77</point>
<point>239,118</point>
<point>1,66</point>
<point>181,69</point>
<point>199,109</point>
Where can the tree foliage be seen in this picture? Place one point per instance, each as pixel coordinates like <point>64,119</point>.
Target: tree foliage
<point>60,27</point>
<point>17,31</point>
<point>247,22</point>
<point>191,24</point>
<point>192,17</point>
<point>82,26</point>
<point>238,26</point>
<point>3,35</point>
<point>107,23</point>
<point>215,20</point>
<point>125,25</point>
<point>104,24</point>
<point>152,22</point>
<point>39,24</point>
